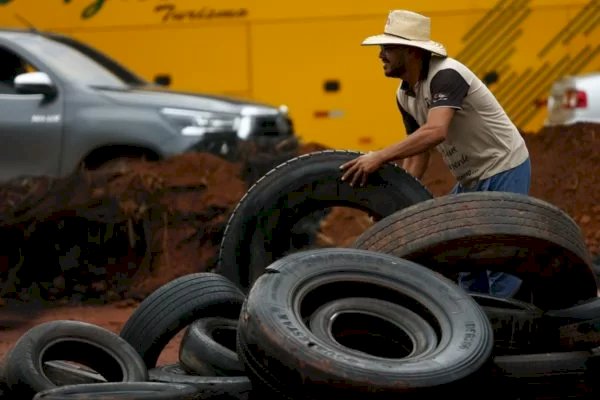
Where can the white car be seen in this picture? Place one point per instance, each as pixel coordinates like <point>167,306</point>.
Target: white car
<point>574,99</point>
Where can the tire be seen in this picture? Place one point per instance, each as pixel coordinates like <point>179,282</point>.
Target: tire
<point>280,352</point>
<point>500,231</point>
<point>208,348</point>
<point>121,390</point>
<point>377,327</point>
<point>260,228</point>
<point>519,327</point>
<point>80,342</point>
<point>227,387</point>
<point>176,305</point>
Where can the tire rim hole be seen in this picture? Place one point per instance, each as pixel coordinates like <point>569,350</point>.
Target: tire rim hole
<point>371,335</point>
<point>88,355</point>
<point>225,337</point>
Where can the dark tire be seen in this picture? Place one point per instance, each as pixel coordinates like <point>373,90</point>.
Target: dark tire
<point>175,305</point>
<point>121,390</point>
<point>281,353</point>
<point>372,326</point>
<point>260,229</point>
<point>498,231</point>
<point>236,387</point>
<point>518,326</point>
<point>79,342</point>
<point>208,348</point>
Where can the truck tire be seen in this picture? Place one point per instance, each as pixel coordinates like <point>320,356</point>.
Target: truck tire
<point>501,231</point>
<point>76,341</point>
<point>280,352</point>
<point>176,305</point>
<point>260,227</point>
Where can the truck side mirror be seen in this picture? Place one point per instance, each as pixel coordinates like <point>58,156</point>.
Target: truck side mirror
<point>162,79</point>
<point>35,83</point>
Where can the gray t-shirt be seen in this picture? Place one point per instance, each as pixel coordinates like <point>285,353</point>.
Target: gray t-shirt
<point>482,141</point>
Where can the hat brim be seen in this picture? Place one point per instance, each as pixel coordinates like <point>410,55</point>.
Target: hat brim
<point>429,45</point>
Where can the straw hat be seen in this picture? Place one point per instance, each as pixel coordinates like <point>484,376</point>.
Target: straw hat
<point>407,28</point>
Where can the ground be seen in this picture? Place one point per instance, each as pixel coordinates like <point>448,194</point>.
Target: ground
<point>89,247</point>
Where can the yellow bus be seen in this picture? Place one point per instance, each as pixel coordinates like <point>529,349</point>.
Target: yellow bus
<point>307,54</point>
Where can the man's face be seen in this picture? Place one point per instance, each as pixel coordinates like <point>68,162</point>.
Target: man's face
<point>394,59</point>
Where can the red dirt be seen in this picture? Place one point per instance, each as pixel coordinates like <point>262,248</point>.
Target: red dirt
<point>156,221</point>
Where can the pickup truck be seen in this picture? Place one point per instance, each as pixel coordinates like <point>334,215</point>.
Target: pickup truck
<point>65,105</point>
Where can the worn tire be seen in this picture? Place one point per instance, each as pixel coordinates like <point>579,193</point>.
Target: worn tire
<point>209,387</point>
<point>176,305</point>
<point>499,231</point>
<point>121,390</point>
<point>80,342</point>
<point>208,348</point>
<point>259,230</point>
<point>280,352</point>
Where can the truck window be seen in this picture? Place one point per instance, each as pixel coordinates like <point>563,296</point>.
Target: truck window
<point>113,66</point>
<point>11,66</point>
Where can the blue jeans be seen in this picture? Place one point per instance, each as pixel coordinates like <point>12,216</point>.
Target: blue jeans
<point>500,284</point>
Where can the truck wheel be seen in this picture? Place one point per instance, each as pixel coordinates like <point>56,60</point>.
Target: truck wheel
<point>259,230</point>
<point>281,353</point>
<point>501,231</point>
<point>176,305</point>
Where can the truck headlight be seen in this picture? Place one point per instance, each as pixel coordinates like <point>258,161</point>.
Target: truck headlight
<point>199,123</point>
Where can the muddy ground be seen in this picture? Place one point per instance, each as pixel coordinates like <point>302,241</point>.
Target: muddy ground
<point>91,246</point>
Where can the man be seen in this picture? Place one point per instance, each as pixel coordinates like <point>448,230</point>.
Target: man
<point>445,106</point>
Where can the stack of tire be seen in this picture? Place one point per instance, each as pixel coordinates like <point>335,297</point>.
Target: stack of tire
<point>383,319</point>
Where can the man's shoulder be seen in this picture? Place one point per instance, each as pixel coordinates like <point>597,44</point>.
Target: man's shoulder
<point>440,64</point>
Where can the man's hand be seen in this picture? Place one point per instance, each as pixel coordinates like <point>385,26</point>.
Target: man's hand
<point>358,170</point>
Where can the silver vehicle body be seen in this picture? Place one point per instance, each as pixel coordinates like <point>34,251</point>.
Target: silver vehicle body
<point>71,105</point>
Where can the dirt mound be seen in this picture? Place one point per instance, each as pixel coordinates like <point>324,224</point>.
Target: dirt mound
<point>106,236</point>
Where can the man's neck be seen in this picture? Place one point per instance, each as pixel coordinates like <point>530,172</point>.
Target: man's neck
<point>413,73</point>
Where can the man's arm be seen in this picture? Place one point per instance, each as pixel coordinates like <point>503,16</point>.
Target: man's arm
<point>448,89</point>
<point>432,133</point>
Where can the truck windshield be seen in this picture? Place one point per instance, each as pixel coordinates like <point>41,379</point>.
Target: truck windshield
<point>82,63</point>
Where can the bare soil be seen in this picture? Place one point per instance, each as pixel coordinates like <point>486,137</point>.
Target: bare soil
<point>89,247</point>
